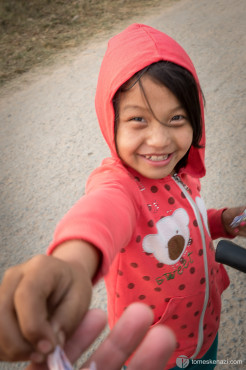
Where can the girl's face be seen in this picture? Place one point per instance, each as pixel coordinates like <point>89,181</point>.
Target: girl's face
<point>152,143</point>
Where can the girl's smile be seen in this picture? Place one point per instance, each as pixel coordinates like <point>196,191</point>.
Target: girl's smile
<point>153,131</point>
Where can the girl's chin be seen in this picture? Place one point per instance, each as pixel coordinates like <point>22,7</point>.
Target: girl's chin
<point>156,173</point>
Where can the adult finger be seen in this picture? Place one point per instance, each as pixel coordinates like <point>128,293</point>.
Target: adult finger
<point>155,350</point>
<point>123,339</point>
<point>91,326</point>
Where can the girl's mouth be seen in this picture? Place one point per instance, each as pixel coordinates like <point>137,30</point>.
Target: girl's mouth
<point>157,158</point>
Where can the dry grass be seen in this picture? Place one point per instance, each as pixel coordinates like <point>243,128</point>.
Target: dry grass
<point>33,31</point>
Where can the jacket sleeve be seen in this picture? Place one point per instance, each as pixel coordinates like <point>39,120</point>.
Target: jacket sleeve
<point>215,224</point>
<point>105,217</point>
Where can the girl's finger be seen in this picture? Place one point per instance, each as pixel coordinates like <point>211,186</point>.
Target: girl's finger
<point>123,339</point>
<point>242,229</point>
<point>39,284</point>
<point>34,366</point>
<point>13,346</point>
<point>49,302</point>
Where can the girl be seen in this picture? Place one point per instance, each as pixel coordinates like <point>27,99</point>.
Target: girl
<point>142,223</point>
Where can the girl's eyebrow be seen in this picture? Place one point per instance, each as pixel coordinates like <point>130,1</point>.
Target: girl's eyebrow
<point>178,107</point>
<point>129,106</point>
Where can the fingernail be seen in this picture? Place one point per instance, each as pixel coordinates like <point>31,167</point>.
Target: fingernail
<point>59,334</point>
<point>236,230</point>
<point>36,357</point>
<point>242,224</point>
<point>44,346</point>
<point>61,338</point>
<point>55,326</point>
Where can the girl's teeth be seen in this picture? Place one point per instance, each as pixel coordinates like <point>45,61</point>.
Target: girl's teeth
<point>157,157</point>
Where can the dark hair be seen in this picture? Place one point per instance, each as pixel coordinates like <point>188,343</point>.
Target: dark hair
<point>182,84</point>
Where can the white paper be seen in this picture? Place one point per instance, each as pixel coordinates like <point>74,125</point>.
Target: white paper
<point>58,360</point>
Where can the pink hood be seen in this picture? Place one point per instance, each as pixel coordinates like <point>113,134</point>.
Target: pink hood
<point>127,53</point>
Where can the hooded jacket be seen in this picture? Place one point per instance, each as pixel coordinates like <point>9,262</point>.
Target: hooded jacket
<point>155,236</point>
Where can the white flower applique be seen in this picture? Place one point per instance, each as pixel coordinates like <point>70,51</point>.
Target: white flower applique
<point>203,210</point>
<point>172,238</point>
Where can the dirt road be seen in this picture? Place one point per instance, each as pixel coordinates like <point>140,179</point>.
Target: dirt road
<point>50,141</point>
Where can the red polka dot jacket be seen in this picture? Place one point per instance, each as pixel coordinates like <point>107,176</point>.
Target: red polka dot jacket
<point>155,236</point>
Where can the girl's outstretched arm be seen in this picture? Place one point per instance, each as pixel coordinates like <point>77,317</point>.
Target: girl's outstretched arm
<point>43,300</point>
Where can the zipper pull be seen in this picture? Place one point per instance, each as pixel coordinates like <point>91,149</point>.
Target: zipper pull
<point>178,179</point>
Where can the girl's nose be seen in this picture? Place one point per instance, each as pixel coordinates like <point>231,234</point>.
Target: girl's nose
<point>158,136</point>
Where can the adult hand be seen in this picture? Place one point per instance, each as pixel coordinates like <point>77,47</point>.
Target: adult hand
<point>227,217</point>
<point>131,333</point>
<point>41,302</point>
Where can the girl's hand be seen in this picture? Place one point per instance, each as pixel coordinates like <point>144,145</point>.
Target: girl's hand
<point>42,301</point>
<point>227,217</point>
<point>129,334</point>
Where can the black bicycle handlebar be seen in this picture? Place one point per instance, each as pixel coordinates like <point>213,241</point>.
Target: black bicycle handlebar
<point>231,255</point>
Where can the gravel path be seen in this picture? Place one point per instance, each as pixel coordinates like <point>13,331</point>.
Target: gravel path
<point>50,141</point>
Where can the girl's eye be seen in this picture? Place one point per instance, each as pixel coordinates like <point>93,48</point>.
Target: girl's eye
<point>178,117</point>
<point>137,119</point>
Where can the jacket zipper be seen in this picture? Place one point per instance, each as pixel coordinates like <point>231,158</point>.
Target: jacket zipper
<point>185,189</point>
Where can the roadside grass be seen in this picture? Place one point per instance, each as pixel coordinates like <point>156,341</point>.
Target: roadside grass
<point>33,32</point>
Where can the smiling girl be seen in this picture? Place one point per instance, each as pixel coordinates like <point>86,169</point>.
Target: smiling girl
<point>142,224</point>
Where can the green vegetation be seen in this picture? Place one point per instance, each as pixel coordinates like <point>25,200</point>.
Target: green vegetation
<point>34,31</point>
